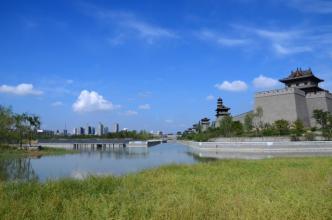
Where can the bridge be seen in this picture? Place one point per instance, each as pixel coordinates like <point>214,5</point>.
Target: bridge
<point>97,144</point>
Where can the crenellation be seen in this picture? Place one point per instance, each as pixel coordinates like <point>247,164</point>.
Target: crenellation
<point>277,92</point>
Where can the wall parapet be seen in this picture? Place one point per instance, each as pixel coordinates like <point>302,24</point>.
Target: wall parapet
<point>321,94</point>
<point>284,91</point>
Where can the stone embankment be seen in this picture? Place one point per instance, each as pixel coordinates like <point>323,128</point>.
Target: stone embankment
<point>253,149</point>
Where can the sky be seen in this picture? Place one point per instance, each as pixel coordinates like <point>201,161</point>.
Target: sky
<point>154,65</point>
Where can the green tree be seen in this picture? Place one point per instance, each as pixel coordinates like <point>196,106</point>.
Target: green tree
<point>259,115</point>
<point>237,128</point>
<point>282,127</point>
<point>327,131</point>
<point>33,123</point>
<point>249,122</point>
<point>21,128</point>
<point>6,123</point>
<point>321,117</point>
<point>298,128</point>
<point>225,127</point>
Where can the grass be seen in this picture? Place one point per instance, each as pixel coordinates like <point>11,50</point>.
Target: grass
<point>7,152</point>
<point>299,188</point>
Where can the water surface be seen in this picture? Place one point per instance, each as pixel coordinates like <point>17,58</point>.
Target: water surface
<point>117,161</point>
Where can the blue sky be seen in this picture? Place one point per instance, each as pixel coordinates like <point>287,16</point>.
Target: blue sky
<point>154,65</point>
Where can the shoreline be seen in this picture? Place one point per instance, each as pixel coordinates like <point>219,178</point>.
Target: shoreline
<point>260,150</point>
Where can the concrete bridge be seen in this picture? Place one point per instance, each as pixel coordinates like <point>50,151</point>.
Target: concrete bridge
<point>97,144</point>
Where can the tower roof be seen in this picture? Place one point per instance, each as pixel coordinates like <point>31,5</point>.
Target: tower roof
<point>221,108</point>
<point>301,75</point>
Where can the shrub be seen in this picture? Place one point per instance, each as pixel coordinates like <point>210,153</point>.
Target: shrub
<point>309,136</point>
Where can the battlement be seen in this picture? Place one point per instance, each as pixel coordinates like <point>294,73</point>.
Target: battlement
<point>321,94</point>
<point>276,92</point>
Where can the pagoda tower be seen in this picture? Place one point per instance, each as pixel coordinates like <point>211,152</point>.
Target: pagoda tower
<point>304,80</point>
<point>222,111</point>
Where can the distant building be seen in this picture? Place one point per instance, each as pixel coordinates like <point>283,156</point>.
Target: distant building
<point>300,97</point>
<point>65,132</point>
<point>100,129</point>
<point>106,130</point>
<point>204,124</point>
<point>89,130</point>
<point>81,131</point>
<point>221,111</point>
<point>45,132</point>
<point>116,128</point>
<point>297,101</point>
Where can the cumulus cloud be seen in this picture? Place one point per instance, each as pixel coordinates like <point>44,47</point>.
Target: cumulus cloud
<point>21,89</point>
<point>235,86</point>
<point>58,103</point>
<point>210,97</point>
<point>92,101</point>
<point>145,107</point>
<point>263,82</point>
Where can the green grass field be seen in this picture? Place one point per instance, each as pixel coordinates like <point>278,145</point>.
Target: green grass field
<point>299,188</point>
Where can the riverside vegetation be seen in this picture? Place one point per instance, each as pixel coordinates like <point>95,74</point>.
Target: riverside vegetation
<point>253,127</point>
<point>269,189</point>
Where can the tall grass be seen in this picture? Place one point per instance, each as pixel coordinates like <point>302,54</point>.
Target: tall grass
<point>230,189</point>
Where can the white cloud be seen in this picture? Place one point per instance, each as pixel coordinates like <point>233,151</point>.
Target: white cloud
<point>129,23</point>
<point>263,82</point>
<point>169,121</point>
<point>69,81</point>
<point>57,103</point>
<point>145,94</point>
<point>221,40</point>
<point>210,97</point>
<point>145,107</point>
<point>235,86</point>
<point>148,31</point>
<point>21,89</point>
<point>92,101</point>
<point>130,113</point>
<point>290,50</point>
<point>312,6</point>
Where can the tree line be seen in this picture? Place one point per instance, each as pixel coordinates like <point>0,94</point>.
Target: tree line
<point>253,126</point>
<point>17,128</point>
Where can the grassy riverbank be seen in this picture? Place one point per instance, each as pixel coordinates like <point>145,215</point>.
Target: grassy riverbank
<point>10,152</point>
<point>270,189</point>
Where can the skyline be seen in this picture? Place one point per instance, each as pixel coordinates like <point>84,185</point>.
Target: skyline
<point>154,66</point>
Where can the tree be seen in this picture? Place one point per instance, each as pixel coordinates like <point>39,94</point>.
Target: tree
<point>282,127</point>
<point>321,117</point>
<point>6,123</point>
<point>248,121</point>
<point>20,127</point>
<point>327,131</point>
<point>298,128</point>
<point>237,128</point>
<point>33,125</point>
<point>226,126</point>
<point>259,115</point>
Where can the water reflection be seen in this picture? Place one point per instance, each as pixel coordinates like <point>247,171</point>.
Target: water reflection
<point>117,161</point>
<point>17,169</point>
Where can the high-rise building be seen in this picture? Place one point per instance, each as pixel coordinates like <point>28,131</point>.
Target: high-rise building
<point>116,128</point>
<point>81,131</point>
<point>106,130</point>
<point>100,129</point>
